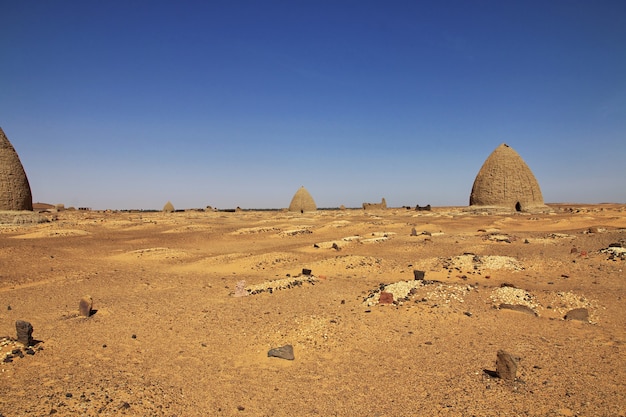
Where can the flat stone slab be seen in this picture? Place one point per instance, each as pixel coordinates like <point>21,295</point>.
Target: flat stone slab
<point>283,352</point>
<point>519,308</point>
<point>581,314</point>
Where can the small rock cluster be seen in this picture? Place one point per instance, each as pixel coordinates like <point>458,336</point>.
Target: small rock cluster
<point>275,285</point>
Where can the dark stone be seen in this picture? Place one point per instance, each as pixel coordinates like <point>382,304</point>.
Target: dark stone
<point>413,232</point>
<point>581,314</point>
<point>24,332</point>
<point>336,247</point>
<point>418,275</point>
<point>385,298</point>
<point>519,308</point>
<point>30,352</point>
<point>283,352</point>
<point>306,271</point>
<point>506,366</point>
<point>85,306</point>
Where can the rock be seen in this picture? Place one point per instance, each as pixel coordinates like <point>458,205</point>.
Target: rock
<point>418,275</point>
<point>413,232</point>
<point>240,289</point>
<point>385,298</point>
<point>283,352</point>
<point>85,306</point>
<point>306,271</point>
<point>24,332</point>
<point>506,366</point>
<point>581,314</point>
<point>519,308</point>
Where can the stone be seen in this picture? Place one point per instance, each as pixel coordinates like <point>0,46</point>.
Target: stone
<point>581,314</point>
<point>519,308</point>
<point>85,306</point>
<point>240,289</point>
<point>283,352</point>
<point>418,275</point>
<point>385,298</point>
<point>24,332</point>
<point>306,271</point>
<point>506,366</point>
<point>413,232</point>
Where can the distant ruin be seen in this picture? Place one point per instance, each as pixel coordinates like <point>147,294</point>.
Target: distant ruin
<point>375,206</point>
<point>15,191</point>
<point>302,201</point>
<point>506,182</point>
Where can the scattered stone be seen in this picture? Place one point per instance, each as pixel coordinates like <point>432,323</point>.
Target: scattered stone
<point>24,332</point>
<point>573,250</point>
<point>519,308</point>
<point>468,313</point>
<point>9,308</point>
<point>506,365</point>
<point>581,314</point>
<point>419,275</point>
<point>306,271</point>
<point>385,298</point>
<point>335,246</point>
<point>240,289</point>
<point>85,306</point>
<point>283,352</point>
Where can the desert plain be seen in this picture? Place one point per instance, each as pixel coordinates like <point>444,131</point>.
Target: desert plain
<point>187,305</point>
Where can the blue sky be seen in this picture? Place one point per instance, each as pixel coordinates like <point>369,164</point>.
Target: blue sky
<point>129,104</point>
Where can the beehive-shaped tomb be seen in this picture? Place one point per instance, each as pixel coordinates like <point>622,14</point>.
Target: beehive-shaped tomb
<point>506,182</point>
<point>15,191</point>
<point>302,201</point>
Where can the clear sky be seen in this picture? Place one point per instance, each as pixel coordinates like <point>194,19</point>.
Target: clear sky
<point>129,104</point>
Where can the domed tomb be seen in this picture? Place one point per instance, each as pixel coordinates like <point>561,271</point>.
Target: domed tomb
<point>15,191</point>
<point>505,181</point>
<point>168,207</point>
<point>302,201</point>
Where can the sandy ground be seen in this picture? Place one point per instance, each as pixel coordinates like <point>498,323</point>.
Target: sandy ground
<point>169,337</point>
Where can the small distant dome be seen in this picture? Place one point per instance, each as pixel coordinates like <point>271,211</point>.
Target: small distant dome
<point>168,207</point>
<point>506,181</point>
<point>302,201</point>
<point>15,191</point>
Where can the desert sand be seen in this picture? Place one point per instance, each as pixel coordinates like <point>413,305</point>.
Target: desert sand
<point>183,315</point>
